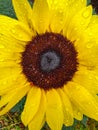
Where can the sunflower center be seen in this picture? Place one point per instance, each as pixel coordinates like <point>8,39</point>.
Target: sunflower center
<point>49,61</point>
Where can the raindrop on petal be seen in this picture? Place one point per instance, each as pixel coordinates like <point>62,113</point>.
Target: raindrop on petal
<point>13,31</point>
<point>2,46</point>
<point>89,45</point>
<point>86,13</point>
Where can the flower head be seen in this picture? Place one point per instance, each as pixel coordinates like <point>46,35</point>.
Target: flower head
<point>50,54</point>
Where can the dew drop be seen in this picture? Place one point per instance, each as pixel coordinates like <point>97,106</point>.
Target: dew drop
<point>89,103</point>
<point>77,87</point>
<point>67,109</point>
<point>67,122</point>
<point>1,60</point>
<point>2,46</point>
<point>5,82</point>
<point>90,77</point>
<point>79,113</point>
<point>20,35</point>
<point>86,14</point>
<point>55,2</point>
<point>90,34</point>
<point>75,28</point>
<point>96,77</point>
<point>97,113</point>
<point>89,45</point>
<point>82,23</point>
<point>13,31</point>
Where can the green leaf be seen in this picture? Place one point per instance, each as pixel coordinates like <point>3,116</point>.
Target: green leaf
<point>19,106</point>
<point>6,8</point>
<point>88,1</point>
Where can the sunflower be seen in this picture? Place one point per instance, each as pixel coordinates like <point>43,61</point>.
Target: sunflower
<point>50,54</point>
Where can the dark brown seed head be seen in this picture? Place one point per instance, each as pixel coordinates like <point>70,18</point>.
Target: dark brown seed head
<point>49,61</point>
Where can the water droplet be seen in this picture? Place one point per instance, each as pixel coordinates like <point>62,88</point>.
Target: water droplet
<point>1,60</point>
<point>90,77</point>
<point>97,112</point>
<point>96,77</point>
<point>89,45</point>
<point>67,109</point>
<point>25,4</point>
<point>90,34</point>
<point>13,31</point>
<point>67,122</point>
<point>86,13</point>
<point>20,35</point>
<point>77,87</point>
<point>78,113</point>
<point>77,5</point>
<point>75,28</point>
<point>5,82</point>
<point>82,23</point>
<point>89,103</point>
<point>2,46</point>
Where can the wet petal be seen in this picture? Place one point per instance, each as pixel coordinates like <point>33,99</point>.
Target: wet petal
<point>9,83</point>
<point>86,103</point>
<point>88,75</point>
<point>67,108</point>
<point>13,28</point>
<point>31,105</point>
<point>76,112</point>
<point>58,14</point>
<point>78,23</point>
<point>54,112</point>
<point>13,99</point>
<point>90,44</point>
<point>72,9</point>
<point>23,11</point>
<point>41,15</point>
<point>37,121</point>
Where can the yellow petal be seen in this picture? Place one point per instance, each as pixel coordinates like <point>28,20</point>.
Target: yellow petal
<point>76,113</point>
<point>58,14</point>
<point>73,7</point>
<point>23,11</point>
<point>10,56</point>
<point>37,121</point>
<point>87,78</point>
<point>67,108</point>
<point>76,5</point>
<point>78,23</point>
<point>10,46</point>
<point>40,15</point>
<point>7,77</point>
<point>32,105</point>
<point>84,100</point>
<point>10,82</point>
<point>54,111</point>
<point>13,28</point>
<point>4,64</point>
<point>4,73</point>
<point>90,44</point>
<point>13,99</point>
<point>89,57</point>
<point>91,31</point>
<point>6,98</point>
